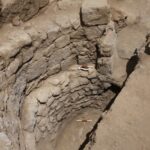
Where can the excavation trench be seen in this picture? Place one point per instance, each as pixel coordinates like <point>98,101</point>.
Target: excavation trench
<point>90,139</point>
<point>80,132</point>
<point>82,127</point>
<point>79,128</point>
<point>63,69</point>
<point>68,106</point>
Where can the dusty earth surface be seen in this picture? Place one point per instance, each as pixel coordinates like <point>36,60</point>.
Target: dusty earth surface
<point>127,124</point>
<point>74,74</point>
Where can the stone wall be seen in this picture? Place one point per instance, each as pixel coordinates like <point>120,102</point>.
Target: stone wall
<point>38,50</point>
<point>58,98</point>
<point>57,63</point>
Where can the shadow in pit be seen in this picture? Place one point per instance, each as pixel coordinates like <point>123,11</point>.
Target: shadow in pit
<point>90,136</point>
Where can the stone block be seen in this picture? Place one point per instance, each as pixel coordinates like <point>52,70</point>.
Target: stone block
<point>42,110</point>
<point>107,44</point>
<point>30,108</point>
<point>74,83</point>
<point>129,39</point>
<point>27,54</point>
<point>64,23</point>
<point>78,34</point>
<point>68,62</point>
<point>36,69</point>
<point>55,90</point>
<point>61,115</point>
<point>11,48</point>
<point>43,94</point>
<point>50,101</point>
<point>13,67</point>
<point>93,32</point>
<point>83,81</point>
<point>104,66</point>
<point>53,69</point>
<point>54,81</point>
<point>42,124</point>
<point>62,41</point>
<point>53,32</point>
<point>59,55</point>
<point>83,59</point>
<point>95,12</point>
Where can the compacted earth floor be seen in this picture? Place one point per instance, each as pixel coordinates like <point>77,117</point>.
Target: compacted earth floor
<point>127,125</point>
<point>73,134</point>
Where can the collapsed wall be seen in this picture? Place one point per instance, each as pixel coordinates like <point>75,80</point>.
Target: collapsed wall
<point>56,64</point>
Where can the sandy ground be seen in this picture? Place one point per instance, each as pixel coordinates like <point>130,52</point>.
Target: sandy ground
<point>74,132</point>
<point>127,125</point>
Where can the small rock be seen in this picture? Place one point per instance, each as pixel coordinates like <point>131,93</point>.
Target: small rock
<point>13,67</point>
<point>56,91</point>
<point>50,101</point>
<point>16,21</point>
<point>42,110</point>
<point>104,66</point>
<point>43,94</point>
<point>42,124</point>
